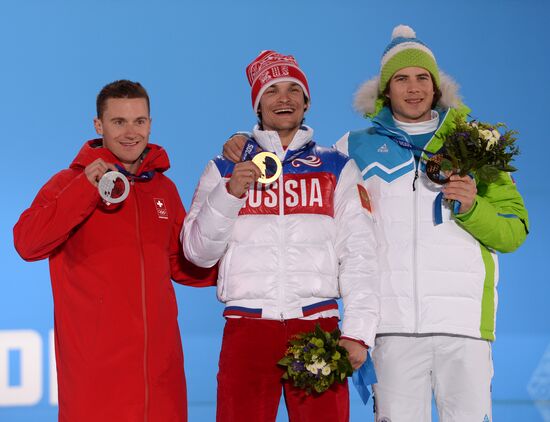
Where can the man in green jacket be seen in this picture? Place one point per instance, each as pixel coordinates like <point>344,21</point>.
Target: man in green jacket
<point>439,281</point>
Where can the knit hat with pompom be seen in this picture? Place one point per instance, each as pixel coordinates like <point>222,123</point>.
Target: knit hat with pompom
<point>405,50</point>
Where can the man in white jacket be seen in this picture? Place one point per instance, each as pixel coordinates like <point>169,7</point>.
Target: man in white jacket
<point>439,277</point>
<point>286,251</point>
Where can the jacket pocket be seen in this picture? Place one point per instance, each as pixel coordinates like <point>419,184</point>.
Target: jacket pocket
<point>333,259</point>
<point>223,277</point>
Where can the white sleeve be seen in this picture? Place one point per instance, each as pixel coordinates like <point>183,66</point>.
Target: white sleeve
<point>208,225</point>
<point>342,144</point>
<point>356,248</point>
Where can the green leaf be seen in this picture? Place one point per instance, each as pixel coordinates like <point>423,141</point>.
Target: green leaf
<point>285,361</point>
<point>318,331</point>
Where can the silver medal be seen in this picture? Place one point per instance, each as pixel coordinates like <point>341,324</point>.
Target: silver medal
<point>106,187</point>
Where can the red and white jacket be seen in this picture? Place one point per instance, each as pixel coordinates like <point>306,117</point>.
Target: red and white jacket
<point>291,248</point>
<point>117,341</point>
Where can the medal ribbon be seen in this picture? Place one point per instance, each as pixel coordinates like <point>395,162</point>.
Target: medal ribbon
<point>251,148</point>
<point>400,139</point>
<point>363,377</point>
<point>403,142</point>
<point>438,206</point>
<point>143,177</point>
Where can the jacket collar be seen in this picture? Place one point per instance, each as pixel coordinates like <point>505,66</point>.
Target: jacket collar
<point>385,118</point>
<point>383,124</point>
<point>269,140</point>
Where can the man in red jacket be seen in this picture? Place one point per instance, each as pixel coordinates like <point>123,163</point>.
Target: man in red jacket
<point>117,341</point>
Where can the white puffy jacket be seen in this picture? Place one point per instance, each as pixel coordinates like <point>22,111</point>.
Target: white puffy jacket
<point>289,249</point>
<point>435,279</point>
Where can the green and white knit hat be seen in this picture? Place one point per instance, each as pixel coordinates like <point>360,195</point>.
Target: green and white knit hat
<point>405,50</point>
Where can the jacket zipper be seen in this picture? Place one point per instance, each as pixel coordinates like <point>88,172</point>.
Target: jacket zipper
<point>415,249</point>
<point>415,177</point>
<point>415,239</point>
<point>281,246</point>
<point>415,229</point>
<point>144,311</point>
<point>415,233</point>
<point>415,226</point>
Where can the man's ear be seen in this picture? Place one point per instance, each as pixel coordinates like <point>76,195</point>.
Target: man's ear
<point>98,126</point>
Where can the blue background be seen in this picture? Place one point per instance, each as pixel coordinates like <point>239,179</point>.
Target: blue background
<point>57,54</point>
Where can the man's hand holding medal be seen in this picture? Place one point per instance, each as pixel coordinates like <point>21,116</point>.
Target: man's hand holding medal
<point>263,167</point>
<point>244,175</point>
<point>113,186</point>
<point>96,169</point>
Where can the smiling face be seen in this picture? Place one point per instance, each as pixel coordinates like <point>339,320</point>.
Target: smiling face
<point>282,107</point>
<point>411,94</point>
<point>125,126</point>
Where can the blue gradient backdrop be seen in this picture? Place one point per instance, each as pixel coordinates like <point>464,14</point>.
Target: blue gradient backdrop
<point>56,56</point>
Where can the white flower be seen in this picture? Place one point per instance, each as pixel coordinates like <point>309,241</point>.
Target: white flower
<point>486,134</point>
<point>312,369</point>
<point>490,143</point>
<point>491,136</point>
<point>325,370</point>
<point>320,364</point>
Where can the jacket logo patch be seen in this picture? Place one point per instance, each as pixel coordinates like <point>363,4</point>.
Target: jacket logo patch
<point>310,160</point>
<point>383,148</point>
<point>364,196</point>
<point>160,206</point>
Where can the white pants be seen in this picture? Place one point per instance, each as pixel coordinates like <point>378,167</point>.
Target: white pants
<point>457,370</point>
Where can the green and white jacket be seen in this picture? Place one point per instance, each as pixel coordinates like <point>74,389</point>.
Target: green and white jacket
<point>436,279</point>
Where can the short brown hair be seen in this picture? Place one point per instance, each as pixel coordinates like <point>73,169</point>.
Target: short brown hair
<point>120,89</point>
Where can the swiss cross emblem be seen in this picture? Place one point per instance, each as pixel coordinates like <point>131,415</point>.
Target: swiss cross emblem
<point>160,206</point>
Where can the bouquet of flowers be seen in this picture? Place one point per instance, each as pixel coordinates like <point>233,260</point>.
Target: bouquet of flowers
<point>315,360</point>
<point>474,147</point>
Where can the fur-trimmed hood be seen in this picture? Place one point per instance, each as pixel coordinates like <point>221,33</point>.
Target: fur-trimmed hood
<point>368,100</point>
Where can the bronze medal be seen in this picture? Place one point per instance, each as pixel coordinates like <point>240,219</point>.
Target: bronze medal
<point>434,172</point>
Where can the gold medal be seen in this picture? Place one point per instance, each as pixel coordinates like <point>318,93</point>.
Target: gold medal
<point>270,166</point>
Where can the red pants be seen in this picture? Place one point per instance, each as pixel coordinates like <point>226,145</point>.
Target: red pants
<point>249,379</point>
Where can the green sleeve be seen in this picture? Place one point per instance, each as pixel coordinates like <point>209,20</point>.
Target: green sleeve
<point>498,218</point>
